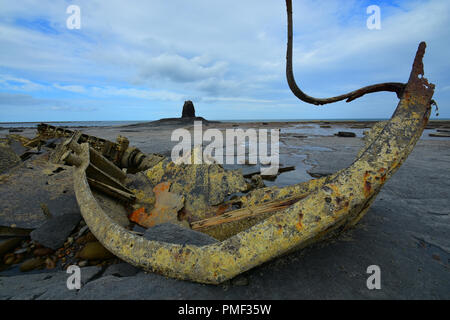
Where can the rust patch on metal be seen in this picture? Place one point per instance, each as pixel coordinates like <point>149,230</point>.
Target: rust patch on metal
<point>299,225</point>
<point>165,210</point>
<point>367,184</point>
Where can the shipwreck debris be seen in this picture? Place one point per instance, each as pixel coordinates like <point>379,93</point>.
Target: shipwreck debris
<point>120,153</point>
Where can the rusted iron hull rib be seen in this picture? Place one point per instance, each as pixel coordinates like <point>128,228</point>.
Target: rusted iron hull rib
<point>338,203</point>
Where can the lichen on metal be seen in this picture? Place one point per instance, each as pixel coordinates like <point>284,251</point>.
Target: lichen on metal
<point>202,185</point>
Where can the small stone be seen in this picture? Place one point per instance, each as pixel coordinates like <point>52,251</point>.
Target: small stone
<point>345,134</point>
<point>40,252</point>
<point>83,263</point>
<point>94,251</point>
<point>8,245</point>
<point>32,264</point>
<point>18,259</point>
<point>257,181</point>
<point>89,237</point>
<point>49,263</point>
<point>10,259</point>
<point>82,230</point>
<point>240,281</point>
<point>21,250</point>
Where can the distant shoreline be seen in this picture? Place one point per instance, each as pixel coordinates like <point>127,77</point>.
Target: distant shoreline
<point>86,124</point>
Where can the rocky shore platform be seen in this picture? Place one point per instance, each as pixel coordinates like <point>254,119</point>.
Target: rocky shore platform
<point>405,233</point>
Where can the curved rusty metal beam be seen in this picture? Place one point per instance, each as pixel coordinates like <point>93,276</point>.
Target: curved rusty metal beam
<point>396,87</point>
<point>338,203</point>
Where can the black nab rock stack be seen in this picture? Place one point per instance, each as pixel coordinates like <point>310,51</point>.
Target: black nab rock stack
<point>188,110</point>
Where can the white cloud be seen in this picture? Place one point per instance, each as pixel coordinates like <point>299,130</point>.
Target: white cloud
<point>135,93</point>
<point>18,84</point>
<point>180,69</point>
<point>227,51</point>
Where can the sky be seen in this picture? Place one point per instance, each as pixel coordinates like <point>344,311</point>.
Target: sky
<point>140,60</point>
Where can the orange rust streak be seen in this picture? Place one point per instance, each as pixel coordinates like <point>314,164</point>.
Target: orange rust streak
<point>161,187</point>
<point>221,209</point>
<point>139,216</point>
<point>367,184</point>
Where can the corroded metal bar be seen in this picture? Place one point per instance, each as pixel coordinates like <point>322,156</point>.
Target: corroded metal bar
<point>339,202</point>
<point>387,86</point>
<point>118,152</point>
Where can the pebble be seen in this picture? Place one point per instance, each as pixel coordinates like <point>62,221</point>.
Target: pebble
<point>83,263</point>
<point>20,251</point>
<point>40,252</point>
<point>19,258</point>
<point>240,281</point>
<point>49,263</point>
<point>8,245</point>
<point>89,237</point>
<point>32,264</point>
<point>68,243</point>
<point>345,134</point>
<point>94,251</point>
<point>82,230</point>
<point>10,259</point>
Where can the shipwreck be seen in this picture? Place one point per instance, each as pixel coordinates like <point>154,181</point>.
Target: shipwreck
<point>257,224</point>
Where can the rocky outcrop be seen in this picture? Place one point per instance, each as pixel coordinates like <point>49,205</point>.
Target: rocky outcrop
<point>345,134</point>
<point>188,110</point>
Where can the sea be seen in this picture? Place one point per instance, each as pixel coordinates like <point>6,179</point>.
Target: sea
<point>81,124</point>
